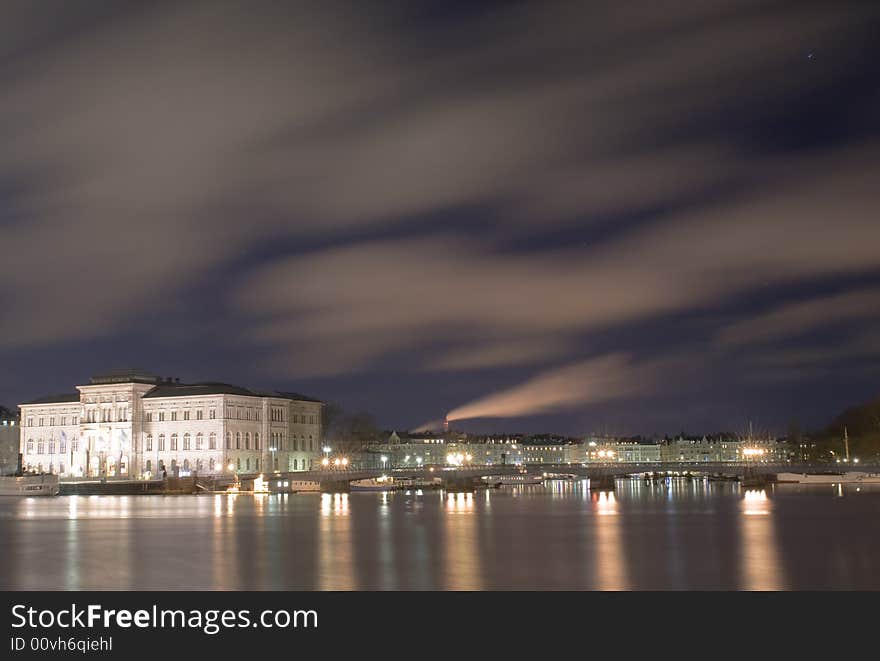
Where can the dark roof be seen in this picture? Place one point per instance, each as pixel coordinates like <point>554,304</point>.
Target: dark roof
<point>55,399</point>
<point>126,375</point>
<point>215,388</point>
<point>293,395</point>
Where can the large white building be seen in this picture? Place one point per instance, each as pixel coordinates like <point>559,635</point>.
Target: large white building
<point>136,425</point>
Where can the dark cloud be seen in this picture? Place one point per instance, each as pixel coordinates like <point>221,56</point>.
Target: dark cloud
<point>298,177</point>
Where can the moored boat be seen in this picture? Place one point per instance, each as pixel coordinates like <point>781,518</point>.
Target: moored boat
<point>852,477</point>
<point>44,484</point>
<point>518,479</point>
<point>383,483</point>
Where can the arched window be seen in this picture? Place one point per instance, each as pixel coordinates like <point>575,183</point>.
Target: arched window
<point>211,464</point>
<point>149,443</point>
<point>294,464</point>
<point>198,464</point>
<point>257,441</point>
<point>229,440</point>
<point>40,448</point>
<point>212,442</point>
<point>30,446</point>
<point>258,463</point>
<point>186,464</point>
<point>173,441</point>
<point>247,441</point>
<point>238,463</point>
<point>186,442</point>
<point>161,442</point>
<point>238,440</point>
<point>312,443</point>
<point>200,441</point>
<point>247,463</point>
<point>149,466</point>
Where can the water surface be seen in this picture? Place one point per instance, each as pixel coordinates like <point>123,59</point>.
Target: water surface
<point>679,535</point>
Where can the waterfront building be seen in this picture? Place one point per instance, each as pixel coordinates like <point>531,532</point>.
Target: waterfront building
<point>722,449</point>
<point>132,424</point>
<point>427,449</point>
<point>9,441</point>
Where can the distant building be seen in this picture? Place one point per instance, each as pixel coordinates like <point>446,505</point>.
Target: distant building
<point>9,441</point>
<point>133,424</point>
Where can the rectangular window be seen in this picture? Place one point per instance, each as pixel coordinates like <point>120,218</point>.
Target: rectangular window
<point>148,416</point>
<point>41,422</point>
<point>62,447</point>
<point>30,422</point>
<point>212,414</point>
<point>199,414</point>
<point>173,416</point>
<point>161,416</point>
<point>149,443</point>
<point>186,415</point>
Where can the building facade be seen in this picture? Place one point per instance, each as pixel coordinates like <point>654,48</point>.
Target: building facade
<point>132,424</point>
<point>9,441</point>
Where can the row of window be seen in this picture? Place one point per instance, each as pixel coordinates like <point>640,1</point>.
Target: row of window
<point>187,442</point>
<point>107,415</point>
<point>199,413</point>
<point>41,447</point>
<point>41,422</point>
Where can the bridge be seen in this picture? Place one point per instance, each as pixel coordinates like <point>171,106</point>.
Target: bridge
<point>601,473</point>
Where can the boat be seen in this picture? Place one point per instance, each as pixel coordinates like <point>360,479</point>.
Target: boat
<point>383,483</point>
<point>851,477</point>
<point>43,484</point>
<point>560,476</point>
<point>427,483</point>
<point>305,486</point>
<point>518,479</point>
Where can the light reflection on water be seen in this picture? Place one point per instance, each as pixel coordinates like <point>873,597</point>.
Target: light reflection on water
<point>761,565</point>
<point>461,549</point>
<point>664,534</point>
<point>335,545</point>
<point>610,553</point>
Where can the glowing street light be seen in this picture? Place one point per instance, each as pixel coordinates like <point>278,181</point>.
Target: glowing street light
<point>325,462</point>
<point>345,461</point>
<point>384,460</point>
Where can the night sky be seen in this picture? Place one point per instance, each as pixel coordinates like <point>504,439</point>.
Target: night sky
<point>576,217</point>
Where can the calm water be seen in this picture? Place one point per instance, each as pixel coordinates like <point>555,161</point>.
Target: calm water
<point>679,535</point>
